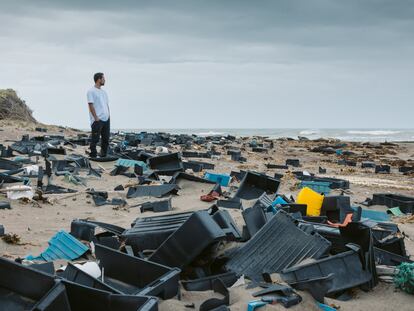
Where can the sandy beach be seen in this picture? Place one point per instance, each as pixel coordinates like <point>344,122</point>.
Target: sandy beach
<point>36,223</point>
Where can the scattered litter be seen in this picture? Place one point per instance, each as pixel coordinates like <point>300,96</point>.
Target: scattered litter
<point>404,278</point>
<point>55,189</point>
<point>19,191</point>
<point>214,303</point>
<point>156,206</point>
<point>91,268</point>
<point>11,238</point>
<point>383,169</point>
<point>229,279</point>
<point>100,198</point>
<point>76,180</point>
<point>395,211</point>
<point>31,170</point>
<point>213,194</point>
<point>157,191</point>
<point>318,243</point>
<point>325,307</point>
<point>119,188</point>
<point>5,205</point>
<point>293,162</point>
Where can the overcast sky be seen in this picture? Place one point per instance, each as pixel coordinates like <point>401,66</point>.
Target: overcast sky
<point>214,64</point>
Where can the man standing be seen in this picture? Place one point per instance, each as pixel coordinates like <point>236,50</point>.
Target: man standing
<point>99,115</point>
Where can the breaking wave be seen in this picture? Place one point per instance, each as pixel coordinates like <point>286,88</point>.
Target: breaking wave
<point>374,133</point>
<point>210,133</point>
<point>309,132</point>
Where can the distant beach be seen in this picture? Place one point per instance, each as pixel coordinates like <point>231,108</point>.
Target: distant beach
<point>352,134</point>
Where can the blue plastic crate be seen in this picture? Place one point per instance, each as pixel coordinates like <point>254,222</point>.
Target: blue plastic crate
<point>221,179</point>
<point>279,200</point>
<point>318,186</point>
<point>61,246</point>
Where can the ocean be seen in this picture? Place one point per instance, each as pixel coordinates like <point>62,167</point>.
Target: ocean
<point>371,135</point>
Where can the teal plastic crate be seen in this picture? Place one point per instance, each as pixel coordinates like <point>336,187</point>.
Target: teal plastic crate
<point>131,163</point>
<point>318,186</point>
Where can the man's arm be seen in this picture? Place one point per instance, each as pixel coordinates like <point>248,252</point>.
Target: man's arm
<point>92,110</point>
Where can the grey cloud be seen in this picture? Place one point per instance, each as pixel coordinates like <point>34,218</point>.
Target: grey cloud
<point>230,55</point>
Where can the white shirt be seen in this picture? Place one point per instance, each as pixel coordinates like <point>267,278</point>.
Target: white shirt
<point>99,99</point>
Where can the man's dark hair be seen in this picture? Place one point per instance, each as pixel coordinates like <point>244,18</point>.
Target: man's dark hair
<point>97,76</point>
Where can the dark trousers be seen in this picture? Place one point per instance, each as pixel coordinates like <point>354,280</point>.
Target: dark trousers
<point>100,129</point>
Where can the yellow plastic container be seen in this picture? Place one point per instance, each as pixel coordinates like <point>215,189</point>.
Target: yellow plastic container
<point>312,199</point>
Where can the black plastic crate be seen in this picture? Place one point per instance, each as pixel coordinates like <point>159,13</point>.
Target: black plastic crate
<point>347,268</point>
<point>336,207</point>
<point>405,203</point>
<point>157,206</point>
<point>277,245</point>
<point>295,208</point>
<point>260,149</point>
<point>195,154</point>
<point>206,283</point>
<point>254,185</point>
<point>167,164</point>
<point>68,296</point>
<point>197,233</point>
<point>157,191</point>
<point>205,165</point>
<point>238,175</point>
<point>22,287</point>
<point>135,276</point>
<point>255,219</point>
<point>278,176</point>
<point>368,164</point>
<point>293,162</point>
<point>227,224</point>
<point>383,257</point>
<point>336,183</point>
<point>78,276</point>
<point>406,169</point>
<point>150,232</point>
<point>195,167</point>
<point>385,169</point>
<point>276,166</point>
<point>332,234</point>
<point>234,203</point>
